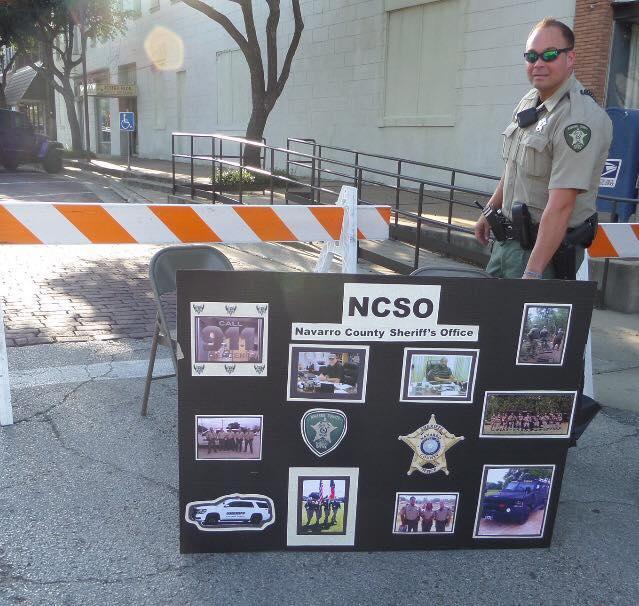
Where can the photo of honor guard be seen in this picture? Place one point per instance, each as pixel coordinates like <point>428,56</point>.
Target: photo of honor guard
<point>542,213</point>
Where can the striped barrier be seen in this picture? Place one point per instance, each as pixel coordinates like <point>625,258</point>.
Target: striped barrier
<point>44,223</point>
<point>616,240</point>
<point>612,241</point>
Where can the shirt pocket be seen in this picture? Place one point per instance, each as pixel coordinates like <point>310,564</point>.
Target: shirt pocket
<point>533,156</point>
<point>509,137</point>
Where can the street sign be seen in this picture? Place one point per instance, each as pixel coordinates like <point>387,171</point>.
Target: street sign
<point>127,121</point>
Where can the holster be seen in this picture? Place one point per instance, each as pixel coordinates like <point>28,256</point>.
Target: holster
<point>523,227</point>
<point>565,259</point>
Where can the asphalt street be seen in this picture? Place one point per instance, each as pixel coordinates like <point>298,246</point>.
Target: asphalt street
<point>88,488</point>
<point>88,491</point>
<point>33,185</point>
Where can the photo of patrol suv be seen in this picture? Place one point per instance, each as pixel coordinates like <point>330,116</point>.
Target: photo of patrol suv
<point>232,512</point>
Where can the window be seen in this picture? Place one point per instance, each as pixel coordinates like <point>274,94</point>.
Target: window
<point>623,78</point>
<point>421,62</point>
<point>130,5</point>
<point>233,89</point>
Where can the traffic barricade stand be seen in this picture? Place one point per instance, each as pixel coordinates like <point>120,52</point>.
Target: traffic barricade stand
<point>612,241</point>
<point>55,224</point>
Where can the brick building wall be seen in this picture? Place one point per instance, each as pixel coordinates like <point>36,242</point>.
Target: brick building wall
<point>593,33</point>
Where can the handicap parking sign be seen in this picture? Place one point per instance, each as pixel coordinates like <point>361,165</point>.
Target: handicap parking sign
<point>610,173</point>
<point>127,121</point>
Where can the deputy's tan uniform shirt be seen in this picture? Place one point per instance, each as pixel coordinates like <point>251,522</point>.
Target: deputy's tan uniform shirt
<point>411,512</point>
<point>565,149</point>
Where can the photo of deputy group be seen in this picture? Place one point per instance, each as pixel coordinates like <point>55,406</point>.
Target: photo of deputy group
<point>533,414</point>
<point>544,330</point>
<point>436,375</point>
<point>325,373</point>
<point>228,438</point>
<point>323,506</point>
<point>228,339</point>
<point>513,501</point>
<point>425,512</point>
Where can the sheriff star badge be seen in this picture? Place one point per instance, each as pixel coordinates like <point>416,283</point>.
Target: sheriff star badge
<point>430,443</point>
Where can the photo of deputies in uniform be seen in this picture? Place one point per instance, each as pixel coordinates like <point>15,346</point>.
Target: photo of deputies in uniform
<point>425,512</point>
<point>539,414</point>
<point>543,335</point>
<point>513,501</point>
<point>323,506</point>
<point>228,438</point>
<point>542,214</point>
<point>327,373</point>
<point>438,375</point>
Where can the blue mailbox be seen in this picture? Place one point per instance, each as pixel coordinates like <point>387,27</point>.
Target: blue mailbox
<point>620,172</point>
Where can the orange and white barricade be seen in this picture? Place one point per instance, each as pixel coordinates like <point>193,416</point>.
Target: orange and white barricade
<point>46,223</point>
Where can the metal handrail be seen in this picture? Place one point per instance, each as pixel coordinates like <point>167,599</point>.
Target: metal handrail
<point>323,167</point>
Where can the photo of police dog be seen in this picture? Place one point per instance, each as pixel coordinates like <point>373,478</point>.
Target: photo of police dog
<point>543,335</point>
<point>529,414</point>
<point>513,501</point>
<point>326,373</point>
<point>425,512</point>
<point>439,375</point>
<point>229,339</point>
<point>228,438</point>
<point>322,505</point>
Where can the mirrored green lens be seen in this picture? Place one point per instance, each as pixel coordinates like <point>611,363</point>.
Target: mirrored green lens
<point>550,55</point>
<point>531,56</point>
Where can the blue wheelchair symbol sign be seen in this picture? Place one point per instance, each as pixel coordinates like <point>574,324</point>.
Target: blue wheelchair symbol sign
<point>127,121</point>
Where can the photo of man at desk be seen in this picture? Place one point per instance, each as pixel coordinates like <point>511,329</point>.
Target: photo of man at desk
<point>434,375</point>
<point>327,373</point>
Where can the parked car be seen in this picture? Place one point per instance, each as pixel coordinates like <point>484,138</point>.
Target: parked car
<point>20,144</point>
<point>232,510</point>
<point>516,501</point>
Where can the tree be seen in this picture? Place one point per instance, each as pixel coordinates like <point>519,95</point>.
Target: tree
<point>62,28</point>
<point>12,43</point>
<point>266,85</point>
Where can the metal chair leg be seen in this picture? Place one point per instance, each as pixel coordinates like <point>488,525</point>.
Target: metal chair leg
<point>149,372</point>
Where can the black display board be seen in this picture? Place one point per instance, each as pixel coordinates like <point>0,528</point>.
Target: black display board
<point>258,471</point>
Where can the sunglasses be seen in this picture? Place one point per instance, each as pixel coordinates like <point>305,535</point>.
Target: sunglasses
<point>548,55</point>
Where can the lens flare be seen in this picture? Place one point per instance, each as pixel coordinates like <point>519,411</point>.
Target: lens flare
<point>164,48</point>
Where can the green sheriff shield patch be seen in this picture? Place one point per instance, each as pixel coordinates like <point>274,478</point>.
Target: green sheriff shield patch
<point>577,136</point>
<point>323,429</point>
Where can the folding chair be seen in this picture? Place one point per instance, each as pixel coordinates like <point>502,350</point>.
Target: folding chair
<point>162,273</point>
<point>448,271</point>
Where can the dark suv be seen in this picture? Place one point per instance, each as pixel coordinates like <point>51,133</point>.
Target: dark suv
<point>516,501</point>
<point>20,144</point>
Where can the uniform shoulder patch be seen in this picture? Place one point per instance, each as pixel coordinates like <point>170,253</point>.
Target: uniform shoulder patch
<point>577,136</point>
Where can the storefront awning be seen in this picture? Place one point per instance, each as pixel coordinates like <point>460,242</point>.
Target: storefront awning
<point>18,84</point>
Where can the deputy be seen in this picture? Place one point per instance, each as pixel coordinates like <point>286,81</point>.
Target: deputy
<point>554,150</point>
<point>333,372</point>
<point>440,373</point>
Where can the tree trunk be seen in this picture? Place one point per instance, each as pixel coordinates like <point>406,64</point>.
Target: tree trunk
<point>72,116</point>
<point>255,132</point>
<point>3,99</point>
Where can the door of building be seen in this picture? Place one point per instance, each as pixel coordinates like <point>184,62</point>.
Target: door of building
<point>103,125</point>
